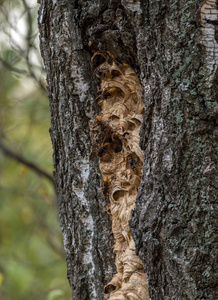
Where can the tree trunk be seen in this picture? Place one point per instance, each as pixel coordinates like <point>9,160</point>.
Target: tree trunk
<point>172,46</point>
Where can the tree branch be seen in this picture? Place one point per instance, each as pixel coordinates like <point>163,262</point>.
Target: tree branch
<point>24,161</point>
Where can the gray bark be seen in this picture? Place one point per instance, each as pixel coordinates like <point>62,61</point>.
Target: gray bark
<point>174,220</point>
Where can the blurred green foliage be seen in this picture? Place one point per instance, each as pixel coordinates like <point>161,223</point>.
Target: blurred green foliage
<point>32,263</point>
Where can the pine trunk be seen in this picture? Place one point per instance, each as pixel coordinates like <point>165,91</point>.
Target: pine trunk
<point>173,48</point>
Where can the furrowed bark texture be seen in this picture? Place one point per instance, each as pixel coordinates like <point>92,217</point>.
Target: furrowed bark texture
<point>172,45</point>
<point>174,219</point>
<point>84,222</point>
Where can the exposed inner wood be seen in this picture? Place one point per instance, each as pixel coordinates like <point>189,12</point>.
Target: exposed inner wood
<point>121,165</point>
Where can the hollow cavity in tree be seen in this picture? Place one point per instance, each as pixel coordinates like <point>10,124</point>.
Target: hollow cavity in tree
<point>121,165</point>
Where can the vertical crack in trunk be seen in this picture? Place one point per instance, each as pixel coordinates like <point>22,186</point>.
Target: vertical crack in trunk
<point>121,163</point>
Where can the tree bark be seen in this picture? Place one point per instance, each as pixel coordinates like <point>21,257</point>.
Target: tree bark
<point>172,46</point>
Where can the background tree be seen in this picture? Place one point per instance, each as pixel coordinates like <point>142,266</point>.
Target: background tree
<point>31,252</point>
<point>172,46</point>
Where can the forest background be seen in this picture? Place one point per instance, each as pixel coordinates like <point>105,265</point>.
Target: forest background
<point>32,264</point>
